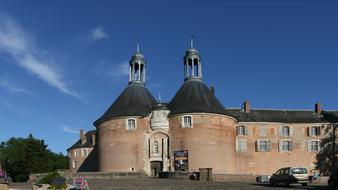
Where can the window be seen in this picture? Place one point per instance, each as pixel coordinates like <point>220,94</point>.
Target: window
<point>187,122</point>
<point>155,146</point>
<point>241,130</point>
<point>313,131</point>
<point>285,131</point>
<point>313,146</point>
<point>241,145</point>
<point>262,131</point>
<point>131,124</point>
<point>74,164</point>
<point>84,153</point>
<point>263,146</point>
<point>285,146</point>
<point>75,153</point>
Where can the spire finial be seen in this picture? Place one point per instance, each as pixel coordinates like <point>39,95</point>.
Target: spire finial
<point>137,48</point>
<point>192,42</point>
<point>159,97</point>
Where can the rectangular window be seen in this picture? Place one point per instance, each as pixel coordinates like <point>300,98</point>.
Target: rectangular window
<point>241,145</point>
<point>131,124</point>
<point>314,146</point>
<point>285,131</point>
<point>263,146</point>
<point>285,146</point>
<point>85,153</point>
<point>187,122</point>
<point>75,153</point>
<point>313,131</point>
<point>241,130</point>
<point>74,164</point>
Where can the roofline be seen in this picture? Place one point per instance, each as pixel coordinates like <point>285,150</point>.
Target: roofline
<point>273,109</point>
<point>203,113</point>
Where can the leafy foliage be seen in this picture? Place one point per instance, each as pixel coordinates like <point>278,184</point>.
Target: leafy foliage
<point>23,156</point>
<point>327,156</point>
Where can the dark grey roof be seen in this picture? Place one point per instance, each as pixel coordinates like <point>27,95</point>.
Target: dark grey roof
<point>88,144</point>
<point>135,100</point>
<point>283,116</point>
<point>330,116</point>
<point>195,97</point>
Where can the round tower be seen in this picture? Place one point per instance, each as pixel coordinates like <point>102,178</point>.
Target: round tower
<point>199,127</point>
<point>122,128</point>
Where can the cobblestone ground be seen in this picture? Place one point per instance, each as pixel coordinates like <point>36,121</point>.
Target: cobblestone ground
<point>169,184</point>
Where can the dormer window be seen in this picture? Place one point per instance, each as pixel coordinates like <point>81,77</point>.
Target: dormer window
<point>131,124</point>
<point>187,122</point>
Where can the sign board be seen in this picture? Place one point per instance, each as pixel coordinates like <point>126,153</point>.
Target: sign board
<point>2,174</point>
<point>80,183</point>
<point>181,160</point>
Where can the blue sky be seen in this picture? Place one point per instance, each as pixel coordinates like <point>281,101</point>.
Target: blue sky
<point>62,63</point>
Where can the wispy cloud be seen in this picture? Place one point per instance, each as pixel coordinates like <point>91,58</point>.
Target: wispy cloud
<point>11,87</point>
<point>18,44</point>
<point>98,34</point>
<point>7,104</point>
<point>113,71</point>
<point>68,129</point>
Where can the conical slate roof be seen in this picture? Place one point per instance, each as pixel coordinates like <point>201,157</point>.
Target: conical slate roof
<point>195,97</point>
<point>135,100</point>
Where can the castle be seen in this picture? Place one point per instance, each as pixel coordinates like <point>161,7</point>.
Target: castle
<point>194,130</point>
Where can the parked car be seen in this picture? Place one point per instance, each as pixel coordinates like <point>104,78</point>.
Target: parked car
<point>333,179</point>
<point>290,175</point>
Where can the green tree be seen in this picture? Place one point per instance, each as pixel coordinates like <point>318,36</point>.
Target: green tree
<point>23,156</point>
<point>327,156</point>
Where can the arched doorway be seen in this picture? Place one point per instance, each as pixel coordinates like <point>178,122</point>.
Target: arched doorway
<point>155,167</point>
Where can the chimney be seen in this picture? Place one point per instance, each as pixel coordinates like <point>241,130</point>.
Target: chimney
<point>246,106</point>
<point>318,109</point>
<point>93,139</point>
<point>212,90</point>
<point>82,137</point>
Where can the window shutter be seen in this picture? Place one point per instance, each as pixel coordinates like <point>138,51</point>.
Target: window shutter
<point>237,130</point>
<point>246,130</point>
<point>291,131</point>
<point>269,146</point>
<point>237,145</point>
<point>280,146</point>
<point>280,131</point>
<point>318,131</point>
<point>308,131</point>
<point>308,144</point>
<point>257,146</point>
<point>291,146</point>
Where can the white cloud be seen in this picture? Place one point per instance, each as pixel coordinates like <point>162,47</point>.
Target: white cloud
<point>15,42</point>
<point>67,129</point>
<point>114,71</point>
<point>10,87</point>
<point>7,104</point>
<point>98,34</point>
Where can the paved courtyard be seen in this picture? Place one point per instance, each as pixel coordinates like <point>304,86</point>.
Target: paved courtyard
<point>169,184</point>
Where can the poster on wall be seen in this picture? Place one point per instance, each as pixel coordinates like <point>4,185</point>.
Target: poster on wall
<point>181,160</point>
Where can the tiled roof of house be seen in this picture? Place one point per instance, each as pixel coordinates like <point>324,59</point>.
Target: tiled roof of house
<point>282,116</point>
<point>87,144</point>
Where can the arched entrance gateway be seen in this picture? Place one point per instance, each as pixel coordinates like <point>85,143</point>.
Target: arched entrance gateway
<point>158,142</point>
